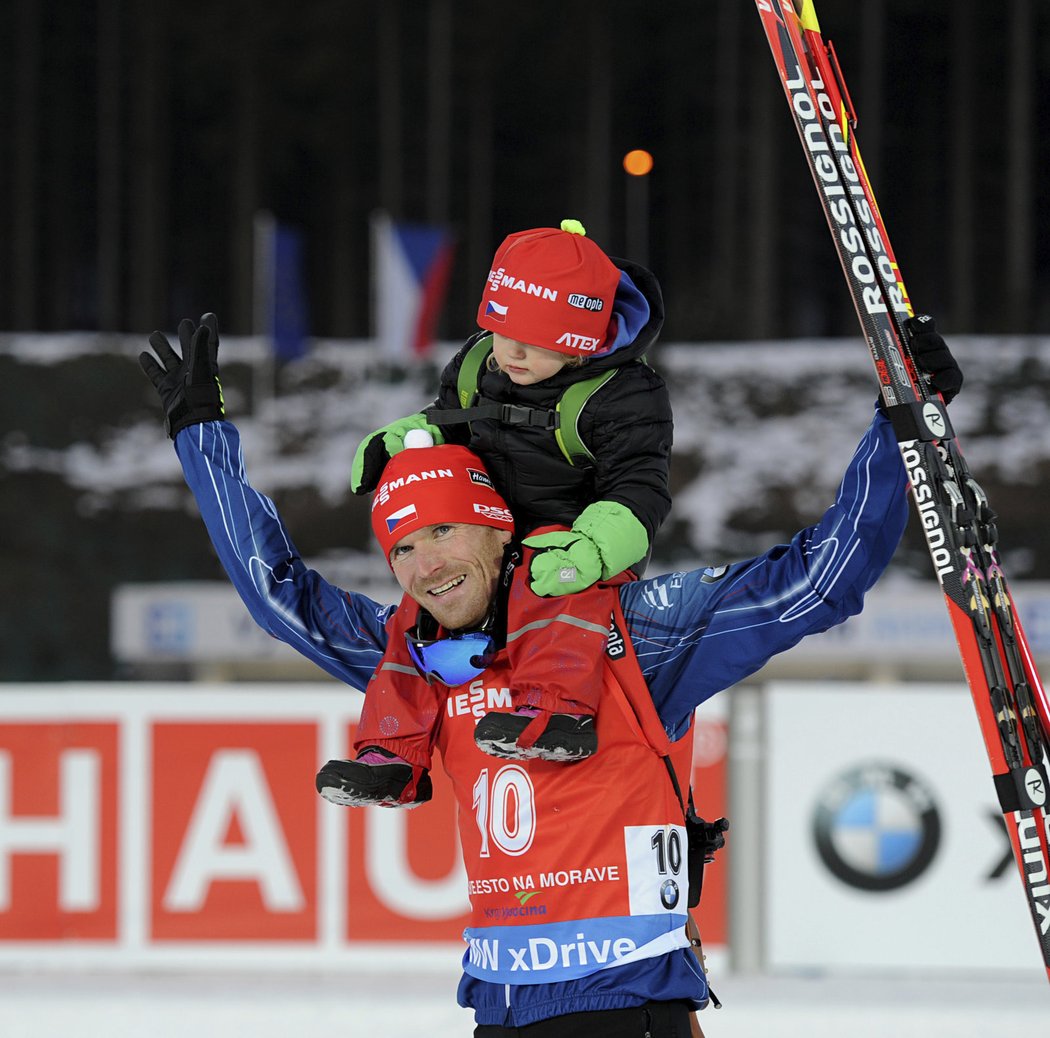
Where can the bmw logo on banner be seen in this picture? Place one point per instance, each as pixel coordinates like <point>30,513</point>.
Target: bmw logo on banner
<point>876,826</point>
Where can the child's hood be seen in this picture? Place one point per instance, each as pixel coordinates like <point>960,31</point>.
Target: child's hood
<point>639,311</point>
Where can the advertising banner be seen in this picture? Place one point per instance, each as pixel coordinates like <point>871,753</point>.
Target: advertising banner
<point>179,825</point>
<point>202,621</point>
<point>886,846</point>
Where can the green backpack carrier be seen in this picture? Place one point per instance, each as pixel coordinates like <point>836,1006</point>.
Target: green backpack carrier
<point>563,421</point>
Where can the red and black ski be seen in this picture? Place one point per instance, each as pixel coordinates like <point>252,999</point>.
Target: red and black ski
<point>958,523</point>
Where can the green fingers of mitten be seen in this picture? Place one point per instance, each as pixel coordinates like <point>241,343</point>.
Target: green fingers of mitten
<point>565,562</point>
<point>379,447</point>
<point>605,540</point>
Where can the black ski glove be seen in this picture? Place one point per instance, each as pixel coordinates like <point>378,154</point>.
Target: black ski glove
<point>933,357</point>
<point>189,385</point>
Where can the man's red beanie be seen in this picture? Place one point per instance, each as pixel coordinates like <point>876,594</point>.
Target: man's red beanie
<point>551,288</point>
<point>423,486</point>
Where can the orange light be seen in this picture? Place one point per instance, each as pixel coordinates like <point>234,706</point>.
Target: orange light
<point>638,162</point>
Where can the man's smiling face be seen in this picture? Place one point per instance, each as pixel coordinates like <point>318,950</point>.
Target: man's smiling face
<point>451,570</point>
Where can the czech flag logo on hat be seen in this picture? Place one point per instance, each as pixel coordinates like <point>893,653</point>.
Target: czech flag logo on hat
<point>429,486</point>
<point>495,311</point>
<point>402,515</point>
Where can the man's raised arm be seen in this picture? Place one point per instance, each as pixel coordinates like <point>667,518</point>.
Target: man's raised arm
<point>702,631</point>
<point>339,631</point>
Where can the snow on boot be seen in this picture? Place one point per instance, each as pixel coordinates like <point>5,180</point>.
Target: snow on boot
<point>554,737</point>
<point>376,778</point>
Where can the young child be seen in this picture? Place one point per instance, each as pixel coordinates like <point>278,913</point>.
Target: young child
<point>575,431</point>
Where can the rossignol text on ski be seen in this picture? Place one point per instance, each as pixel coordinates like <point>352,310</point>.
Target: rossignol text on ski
<point>953,511</point>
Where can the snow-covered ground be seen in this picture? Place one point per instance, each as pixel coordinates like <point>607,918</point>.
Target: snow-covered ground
<point>421,1002</point>
<point>756,424</point>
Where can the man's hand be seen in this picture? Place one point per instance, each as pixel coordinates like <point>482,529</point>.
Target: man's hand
<point>933,357</point>
<point>605,540</point>
<point>189,385</point>
<point>379,447</point>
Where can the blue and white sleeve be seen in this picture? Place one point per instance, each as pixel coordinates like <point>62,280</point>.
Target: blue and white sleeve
<point>699,632</point>
<point>341,632</point>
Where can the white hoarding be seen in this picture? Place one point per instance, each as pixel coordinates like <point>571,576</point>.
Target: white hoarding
<point>885,845</point>
<point>202,621</point>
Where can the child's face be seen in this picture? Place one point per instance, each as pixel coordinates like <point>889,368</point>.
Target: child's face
<point>525,365</point>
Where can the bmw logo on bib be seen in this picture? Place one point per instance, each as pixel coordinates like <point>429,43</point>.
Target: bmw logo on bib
<point>669,894</point>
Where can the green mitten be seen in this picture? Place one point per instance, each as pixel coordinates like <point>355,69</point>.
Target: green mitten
<point>379,447</point>
<point>564,563</point>
<point>604,541</point>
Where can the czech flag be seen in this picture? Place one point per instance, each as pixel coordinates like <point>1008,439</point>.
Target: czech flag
<point>411,264</point>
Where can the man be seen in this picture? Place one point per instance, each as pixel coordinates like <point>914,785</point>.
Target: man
<point>608,952</point>
<point>448,537</point>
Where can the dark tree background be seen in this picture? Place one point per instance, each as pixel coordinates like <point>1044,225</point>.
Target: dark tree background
<point>144,135</point>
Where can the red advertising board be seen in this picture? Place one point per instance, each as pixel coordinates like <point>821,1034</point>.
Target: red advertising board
<point>148,823</point>
<point>59,831</point>
<point>234,847</point>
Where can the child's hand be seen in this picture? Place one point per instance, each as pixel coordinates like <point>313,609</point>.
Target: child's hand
<point>606,539</point>
<point>565,562</point>
<point>379,447</point>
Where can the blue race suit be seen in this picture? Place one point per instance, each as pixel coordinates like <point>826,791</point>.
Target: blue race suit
<point>695,633</point>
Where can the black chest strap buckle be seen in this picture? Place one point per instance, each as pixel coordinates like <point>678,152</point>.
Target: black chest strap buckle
<point>534,417</point>
<point>506,414</point>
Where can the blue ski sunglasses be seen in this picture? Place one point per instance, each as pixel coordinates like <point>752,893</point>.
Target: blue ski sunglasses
<point>452,660</point>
